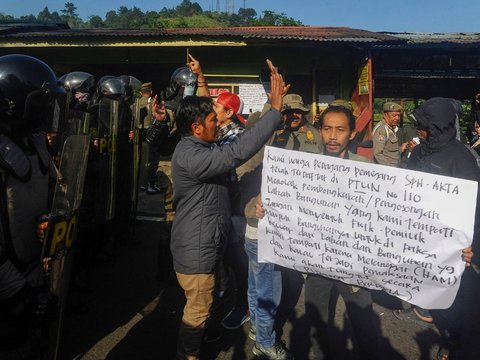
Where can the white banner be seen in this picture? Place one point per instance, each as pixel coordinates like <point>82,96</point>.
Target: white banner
<point>254,96</point>
<point>368,225</point>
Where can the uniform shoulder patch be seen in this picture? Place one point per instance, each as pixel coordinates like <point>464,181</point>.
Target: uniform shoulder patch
<point>310,135</point>
<point>382,138</point>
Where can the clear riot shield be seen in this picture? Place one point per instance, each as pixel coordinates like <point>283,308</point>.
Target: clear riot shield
<point>77,122</point>
<point>74,121</point>
<point>56,124</point>
<point>106,144</point>
<point>57,254</point>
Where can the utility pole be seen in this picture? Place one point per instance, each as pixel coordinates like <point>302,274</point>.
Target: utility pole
<point>230,6</point>
<point>218,6</point>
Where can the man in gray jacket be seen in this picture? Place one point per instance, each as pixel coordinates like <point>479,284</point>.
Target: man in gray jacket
<point>201,200</point>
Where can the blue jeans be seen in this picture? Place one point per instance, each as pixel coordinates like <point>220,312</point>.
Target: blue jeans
<point>264,293</point>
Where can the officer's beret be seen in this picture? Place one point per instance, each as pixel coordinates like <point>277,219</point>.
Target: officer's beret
<point>391,106</point>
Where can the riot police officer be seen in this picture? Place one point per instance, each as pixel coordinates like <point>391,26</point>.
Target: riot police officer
<point>29,102</point>
<point>124,194</point>
<point>80,87</point>
<point>105,116</point>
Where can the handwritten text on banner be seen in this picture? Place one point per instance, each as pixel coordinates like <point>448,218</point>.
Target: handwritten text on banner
<point>367,225</point>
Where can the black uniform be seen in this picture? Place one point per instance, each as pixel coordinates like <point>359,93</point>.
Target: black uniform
<point>28,94</point>
<point>443,154</point>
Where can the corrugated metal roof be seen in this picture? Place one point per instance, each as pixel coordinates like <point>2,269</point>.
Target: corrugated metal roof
<point>312,33</point>
<point>303,33</point>
<point>15,27</point>
<point>437,38</point>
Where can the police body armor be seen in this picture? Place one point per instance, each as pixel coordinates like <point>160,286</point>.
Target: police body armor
<point>24,183</point>
<point>30,99</point>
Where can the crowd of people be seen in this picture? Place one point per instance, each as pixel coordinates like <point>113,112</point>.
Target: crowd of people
<point>210,161</point>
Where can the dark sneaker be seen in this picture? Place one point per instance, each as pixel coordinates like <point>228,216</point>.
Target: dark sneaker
<point>236,318</point>
<point>252,334</point>
<point>276,352</point>
<point>211,335</point>
<point>153,189</point>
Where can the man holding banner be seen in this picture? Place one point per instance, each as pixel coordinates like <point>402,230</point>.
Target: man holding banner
<point>337,128</point>
<point>383,228</point>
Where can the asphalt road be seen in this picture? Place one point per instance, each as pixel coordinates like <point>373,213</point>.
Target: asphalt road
<point>130,315</point>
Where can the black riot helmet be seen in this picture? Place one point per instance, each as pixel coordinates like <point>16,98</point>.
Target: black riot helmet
<point>30,95</point>
<point>183,78</point>
<point>98,92</point>
<point>110,87</point>
<point>132,87</point>
<point>61,80</point>
<point>81,86</point>
<point>79,81</point>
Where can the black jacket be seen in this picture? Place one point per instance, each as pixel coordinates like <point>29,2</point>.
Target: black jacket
<point>200,194</point>
<point>441,153</point>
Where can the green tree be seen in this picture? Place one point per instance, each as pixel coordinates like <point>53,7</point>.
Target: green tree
<point>4,17</point>
<point>271,18</point>
<point>70,16</point>
<point>133,18</point>
<point>167,13</point>
<point>70,10</point>
<point>202,21</point>
<point>95,21</point>
<point>126,18</point>
<point>186,14</point>
<point>111,19</point>
<point>247,15</point>
<point>187,8</point>
<point>55,17</point>
<point>28,18</point>
<point>46,16</point>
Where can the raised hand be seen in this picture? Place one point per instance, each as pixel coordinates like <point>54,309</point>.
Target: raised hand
<point>277,87</point>
<point>194,65</point>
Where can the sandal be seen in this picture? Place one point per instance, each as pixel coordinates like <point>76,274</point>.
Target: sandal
<point>410,315</point>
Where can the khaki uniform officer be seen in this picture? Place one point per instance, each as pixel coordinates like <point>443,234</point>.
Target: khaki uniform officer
<point>386,146</point>
<point>298,133</point>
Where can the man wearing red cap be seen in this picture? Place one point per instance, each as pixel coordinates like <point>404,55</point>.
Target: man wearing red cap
<point>230,123</point>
